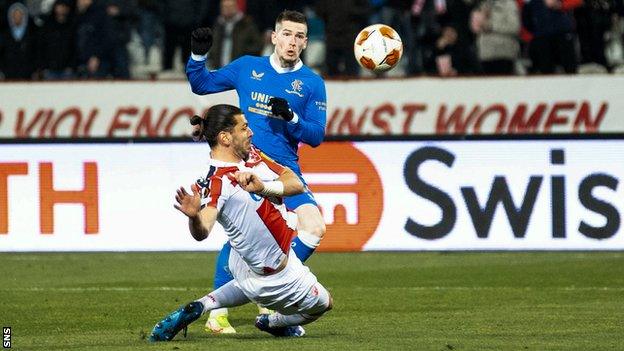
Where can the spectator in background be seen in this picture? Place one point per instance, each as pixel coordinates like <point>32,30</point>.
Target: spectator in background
<point>263,13</point>
<point>396,14</point>
<point>57,42</point>
<point>149,26</point>
<point>497,26</point>
<point>552,27</point>
<point>234,35</point>
<point>456,44</point>
<point>427,30</point>
<point>343,20</point>
<point>179,18</point>
<point>4,10</point>
<point>18,44</point>
<point>93,40</point>
<point>593,20</point>
<point>121,15</point>
<point>38,9</point>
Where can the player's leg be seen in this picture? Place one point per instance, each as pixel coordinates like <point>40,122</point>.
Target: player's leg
<point>229,295</point>
<point>312,307</point>
<point>310,224</point>
<point>218,319</point>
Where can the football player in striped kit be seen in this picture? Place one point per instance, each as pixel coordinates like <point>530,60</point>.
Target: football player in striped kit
<point>243,191</point>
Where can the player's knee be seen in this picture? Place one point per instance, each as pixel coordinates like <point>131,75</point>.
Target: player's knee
<point>318,228</point>
<point>330,305</point>
<point>323,305</point>
<point>311,220</point>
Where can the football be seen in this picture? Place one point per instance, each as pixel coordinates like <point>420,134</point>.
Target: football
<point>378,48</point>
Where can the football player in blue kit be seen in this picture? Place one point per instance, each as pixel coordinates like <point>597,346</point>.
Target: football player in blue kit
<point>284,102</point>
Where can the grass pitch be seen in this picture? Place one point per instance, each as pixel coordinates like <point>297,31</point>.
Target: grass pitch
<point>383,301</point>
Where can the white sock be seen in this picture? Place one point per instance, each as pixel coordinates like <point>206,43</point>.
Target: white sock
<point>210,303</point>
<point>282,320</point>
<point>229,295</point>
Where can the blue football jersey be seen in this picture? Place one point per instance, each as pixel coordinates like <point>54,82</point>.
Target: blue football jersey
<point>256,81</point>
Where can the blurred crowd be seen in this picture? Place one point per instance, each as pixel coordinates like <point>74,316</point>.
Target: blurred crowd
<point>124,39</point>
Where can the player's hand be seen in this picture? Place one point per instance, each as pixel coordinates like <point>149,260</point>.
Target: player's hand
<point>201,40</point>
<point>198,128</point>
<point>250,182</point>
<point>189,204</point>
<point>279,107</point>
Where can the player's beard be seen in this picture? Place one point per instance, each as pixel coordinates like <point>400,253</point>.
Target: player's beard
<point>243,148</point>
<point>286,61</point>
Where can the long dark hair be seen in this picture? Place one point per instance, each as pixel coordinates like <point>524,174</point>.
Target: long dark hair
<point>219,118</point>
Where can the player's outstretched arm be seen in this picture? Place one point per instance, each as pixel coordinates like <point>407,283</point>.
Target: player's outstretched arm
<point>292,183</point>
<point>287,184</point>
<point>201,41</point>
<point>201,220</point>
<point>202,80</point>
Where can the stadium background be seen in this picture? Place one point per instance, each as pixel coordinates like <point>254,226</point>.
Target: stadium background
<point>422,159</point>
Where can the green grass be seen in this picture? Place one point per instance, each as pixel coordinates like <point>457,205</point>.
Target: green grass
<point>383,301</point>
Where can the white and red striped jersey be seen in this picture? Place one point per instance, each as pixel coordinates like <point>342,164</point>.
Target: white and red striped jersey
<point>255,225</point>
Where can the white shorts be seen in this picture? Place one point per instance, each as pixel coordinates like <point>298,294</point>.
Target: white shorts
<point>293,290</point>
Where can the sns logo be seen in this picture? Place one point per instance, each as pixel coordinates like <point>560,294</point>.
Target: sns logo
<point>348,190</point>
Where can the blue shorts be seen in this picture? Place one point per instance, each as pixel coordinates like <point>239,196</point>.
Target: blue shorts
<point>292,202</point>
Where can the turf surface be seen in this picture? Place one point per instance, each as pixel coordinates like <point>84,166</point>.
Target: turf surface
<point>383,301</point>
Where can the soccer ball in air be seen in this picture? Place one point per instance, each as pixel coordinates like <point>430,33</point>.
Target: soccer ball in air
<point>378,48</point>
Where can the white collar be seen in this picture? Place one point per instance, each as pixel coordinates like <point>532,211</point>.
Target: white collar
<point>279,69</point>
<point>220,163</point>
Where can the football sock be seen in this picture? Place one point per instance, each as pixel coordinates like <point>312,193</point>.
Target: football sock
<point>304,244</point>
<point>277,320</point>
<point>229,295</point>
<point>222,274</point>
<point>210,303</point>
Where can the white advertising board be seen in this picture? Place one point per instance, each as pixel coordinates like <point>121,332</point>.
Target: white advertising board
<point>429,106</point>
<point>450,195</point>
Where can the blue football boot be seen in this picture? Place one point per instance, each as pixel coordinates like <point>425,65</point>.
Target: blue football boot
<point>167,329</point>
<point>262,323</point>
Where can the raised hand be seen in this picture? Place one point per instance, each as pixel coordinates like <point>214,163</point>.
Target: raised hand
<point>201,40</point>
<point>189,204</point>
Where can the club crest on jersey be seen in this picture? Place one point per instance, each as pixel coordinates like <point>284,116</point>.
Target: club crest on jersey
<point>296,85</point>
<point>255,75</point>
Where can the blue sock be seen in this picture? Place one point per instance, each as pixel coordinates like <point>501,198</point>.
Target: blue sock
<point>302,251</point>
<point>222,272</point>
